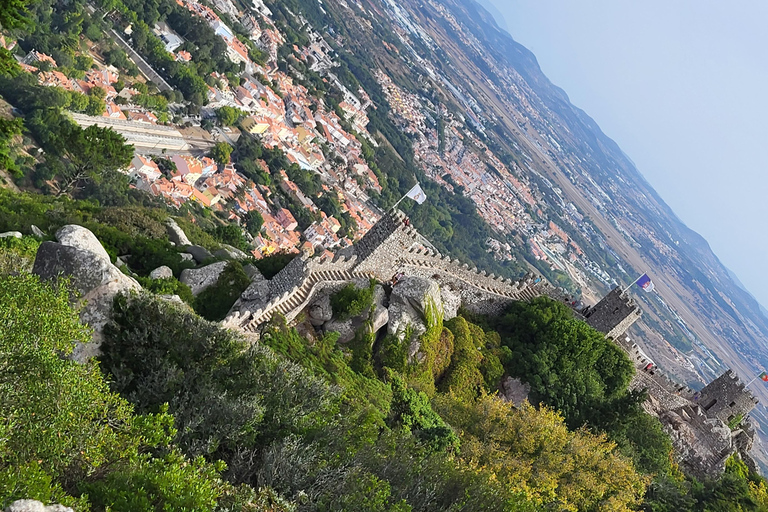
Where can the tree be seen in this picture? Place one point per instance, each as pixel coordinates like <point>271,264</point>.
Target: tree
<point>221,153</point>
<point>569,365</point>
<point>229,116</point>
<point>253,222</point>
<point>62,429</point>
<point>96,106</point>
<point>533,452</point>
<point>92,152</point>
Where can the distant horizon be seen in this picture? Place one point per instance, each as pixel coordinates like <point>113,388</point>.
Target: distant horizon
<point>635,70</point>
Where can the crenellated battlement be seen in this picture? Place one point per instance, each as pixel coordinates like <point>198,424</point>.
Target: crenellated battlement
<point>388,248</point>
<point>726,397</point>
<point>614,314</point>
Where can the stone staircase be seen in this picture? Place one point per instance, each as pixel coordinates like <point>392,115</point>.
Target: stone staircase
<point>292,302</point>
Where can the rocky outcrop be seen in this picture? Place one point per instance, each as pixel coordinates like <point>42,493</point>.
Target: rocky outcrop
<point>451,302</point>
<point>198,279</point>
<point>380,312</point>
<point>345,328</point>
<point>320,311</point>
<point>80,257</point>
<point>408,303</point>
<point>200,254</point>
<point>702,444</point>
<point>35,506</point>
<point>176,234</point>
<point>163,272</point>
<point>514,390</point>
<point>79,237</point>
<point>37,232</point>
<point>11,234</point>
<point>230,253</point>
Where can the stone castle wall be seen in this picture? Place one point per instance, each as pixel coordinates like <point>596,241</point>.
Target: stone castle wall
<point>614,314</point>
<point>696,422</point>
<point>727,397</point>
<point>389,247</point>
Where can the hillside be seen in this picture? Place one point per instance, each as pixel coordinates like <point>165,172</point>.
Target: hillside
<point>217,180</point>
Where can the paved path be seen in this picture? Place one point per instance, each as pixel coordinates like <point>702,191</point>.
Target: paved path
<point>143,66</point>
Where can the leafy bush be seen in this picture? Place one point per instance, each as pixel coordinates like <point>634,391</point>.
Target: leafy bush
<point>214,302</point>
<point>533,452</point>
<point>230,399</point>
<point>271,265</point>
<point>569,365</point>
<point>64,437</point>
<point>168,286</point>
<point>231,234</point>
<point>351,301</point>
<point>411,409</point>
<point>17,255</point>
<point>463,376</point>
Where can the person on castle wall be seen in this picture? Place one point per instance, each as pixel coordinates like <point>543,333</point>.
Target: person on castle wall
<point>407,222</point>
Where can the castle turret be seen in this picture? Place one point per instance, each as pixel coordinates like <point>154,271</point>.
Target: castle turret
<point>614,314</point>
<point>726,398</point>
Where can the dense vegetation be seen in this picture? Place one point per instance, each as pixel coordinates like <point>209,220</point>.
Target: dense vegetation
<point>67,439</point>
<point>180,414</point>
<point>336,429</point>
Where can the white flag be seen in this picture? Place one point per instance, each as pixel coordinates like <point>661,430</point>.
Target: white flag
<point>417,194</point>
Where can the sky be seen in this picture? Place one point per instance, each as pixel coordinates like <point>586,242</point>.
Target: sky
<point>682,87</point>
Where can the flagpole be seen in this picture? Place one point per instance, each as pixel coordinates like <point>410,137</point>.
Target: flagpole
<point>632,283</point>
<point>406,195</point>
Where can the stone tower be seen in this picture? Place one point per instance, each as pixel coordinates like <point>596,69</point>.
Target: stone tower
<point>726,397</point>
<point>614,314</point>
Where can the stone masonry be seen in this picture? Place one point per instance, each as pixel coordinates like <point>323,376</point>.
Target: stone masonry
<point>726,398</point>
<point>389,247</point>
<point>614,314</point>
<point>697,423</point>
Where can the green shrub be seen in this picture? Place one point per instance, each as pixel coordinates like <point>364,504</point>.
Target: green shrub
<point>463,376</point>
<point>168,286</point>
<point>214,302</point>
<point>411,409</point>
<point>271,265</point>
<point>61,428</point>
<point>351,301</point>
<point>17,255</point>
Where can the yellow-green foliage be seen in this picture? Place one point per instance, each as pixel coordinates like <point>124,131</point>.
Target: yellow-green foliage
<point>463,376</point>
<point>435,349</point>
<point>17,255</point>
<point>531,451</point>
<point>61,427</point>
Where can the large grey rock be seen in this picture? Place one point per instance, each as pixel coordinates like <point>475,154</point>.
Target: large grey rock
<point>35,506</point>
<point>13,234</point>
<point>79,237</point>
<point>514,390</point>
<point>252,272</point>
<point>230,253</point>
<point>451,302</point>
<point>320,311</point>
<point>200,254</point>
<point>36,231</point>
<point>175,233</point>
<point>198,279</point>
<point>410,299</point>
<point>253,299</point>
<point>185,256</point>
<point>380,311</point>
<point>345,328</point>
<point>163,272</point>
<point>91,275</point>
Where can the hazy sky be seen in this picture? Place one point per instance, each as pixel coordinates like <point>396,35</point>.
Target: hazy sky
<point>682,87</point>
